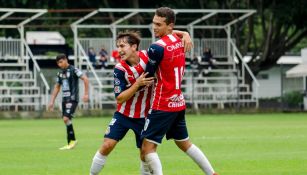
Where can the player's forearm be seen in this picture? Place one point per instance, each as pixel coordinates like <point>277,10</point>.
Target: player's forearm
<point>55,92</point>
<point>86,84</point>
<point>180,33</point>
<point>127,94</point>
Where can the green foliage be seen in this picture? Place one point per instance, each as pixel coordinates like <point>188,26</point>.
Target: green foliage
<point>294,98</point>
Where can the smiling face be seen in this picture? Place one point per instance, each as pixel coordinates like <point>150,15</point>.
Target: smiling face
<point>125,50</point>
<point>160,27</point>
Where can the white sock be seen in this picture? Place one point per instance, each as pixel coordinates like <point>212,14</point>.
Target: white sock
<point>154,163</point>
<point>145,170</point>
<point>198,156</point>
<point>98,163</point>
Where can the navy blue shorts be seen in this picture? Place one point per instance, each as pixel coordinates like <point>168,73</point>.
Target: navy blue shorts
<point>69,108</point>
<point>161,123</point>
<point>120,124</point>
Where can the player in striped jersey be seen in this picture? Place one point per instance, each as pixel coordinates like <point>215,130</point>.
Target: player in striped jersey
<point>167,115</point>
<point>133,95</point>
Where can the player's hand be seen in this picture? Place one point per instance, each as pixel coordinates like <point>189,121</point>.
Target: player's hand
<point>50,106</point>
<point>143,81</point>
<point>187,42</point>
<point>85,98</point>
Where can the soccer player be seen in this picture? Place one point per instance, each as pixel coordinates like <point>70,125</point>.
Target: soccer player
<point>167,114</point>
<point>68,80</point>
<point>133,99</point>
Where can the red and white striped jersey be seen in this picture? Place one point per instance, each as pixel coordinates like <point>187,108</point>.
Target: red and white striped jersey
<point>167,60</point>
<point>124,77</point>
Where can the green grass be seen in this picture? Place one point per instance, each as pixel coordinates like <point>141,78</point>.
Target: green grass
<point>270,144</point>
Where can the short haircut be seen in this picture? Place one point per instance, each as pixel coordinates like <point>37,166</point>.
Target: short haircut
<point>60,57</point>
<point>132,37</point>
<point>167,13</point>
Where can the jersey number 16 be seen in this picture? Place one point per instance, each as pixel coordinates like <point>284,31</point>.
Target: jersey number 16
<point>178,76</point>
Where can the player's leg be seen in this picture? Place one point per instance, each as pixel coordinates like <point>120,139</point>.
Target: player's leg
<point>137,126</point>
<point>196,155</point>
<point>114,133</point>
<point>101,155</point>
<point>68,109</point>
<point>179,133</point>
<point>150,157</point>
<point>156,126</point>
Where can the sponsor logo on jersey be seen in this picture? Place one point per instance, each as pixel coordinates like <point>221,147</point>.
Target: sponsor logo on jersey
<point>116,81</point>
<point>68,74</point>
<point>174,46</point>
<point>176,101</point>
<point>68,105</point>
<point>66,94</point>
<point>117,89</point>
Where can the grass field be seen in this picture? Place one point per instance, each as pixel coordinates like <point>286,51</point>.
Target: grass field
<point>251,144</point>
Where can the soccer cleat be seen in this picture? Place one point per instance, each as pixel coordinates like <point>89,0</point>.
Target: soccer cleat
<point>215,174</point>
<point>66,147</point>
<point>72,144</point>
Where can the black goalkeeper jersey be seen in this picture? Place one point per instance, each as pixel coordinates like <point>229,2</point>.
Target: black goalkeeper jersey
<point>69,80</point>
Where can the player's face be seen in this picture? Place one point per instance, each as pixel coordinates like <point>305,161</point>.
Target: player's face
<point>62,63</point>
<point>159,26</point>
<point>125,50</point>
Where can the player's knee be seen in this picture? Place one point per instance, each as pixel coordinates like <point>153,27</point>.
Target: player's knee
<point>107,147</point>
<point>183,145</point>
<point>66,119</point>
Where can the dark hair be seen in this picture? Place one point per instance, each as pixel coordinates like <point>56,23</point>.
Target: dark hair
<point>132,37</point>
<point>167,13</point>
<point>60,56</point>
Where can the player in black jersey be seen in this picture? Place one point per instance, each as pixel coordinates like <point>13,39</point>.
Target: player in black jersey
<point>68,80</point>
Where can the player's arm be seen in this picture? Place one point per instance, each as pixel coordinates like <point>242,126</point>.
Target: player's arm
<point>86,83</point>
<point>186,39</point>
<point>122,93</point>
<point>56,90</point>
<point>155,54</point>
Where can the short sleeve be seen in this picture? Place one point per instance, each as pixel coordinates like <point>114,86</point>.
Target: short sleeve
<point>78,72</point>
<point>120,82</point>
<point>58,78</point>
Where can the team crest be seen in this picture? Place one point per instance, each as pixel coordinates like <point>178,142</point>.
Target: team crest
<point>116,81</point>
<point>117,89</point>
<point>107,130</point>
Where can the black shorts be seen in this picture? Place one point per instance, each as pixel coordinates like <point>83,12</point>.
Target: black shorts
<point>120,124</point>
<point>68,109</point>
<point>161,123</point>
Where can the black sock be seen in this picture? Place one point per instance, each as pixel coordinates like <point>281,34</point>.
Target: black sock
<point>70,133</point>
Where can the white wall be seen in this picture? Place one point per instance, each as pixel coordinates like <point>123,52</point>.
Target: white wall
<point>272,86</point>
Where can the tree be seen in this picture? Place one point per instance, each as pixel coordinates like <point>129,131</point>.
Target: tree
<point>276,29</point>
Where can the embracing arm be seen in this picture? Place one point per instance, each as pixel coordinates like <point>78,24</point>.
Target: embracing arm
<point>186,39</point>
<point>155,54</point>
